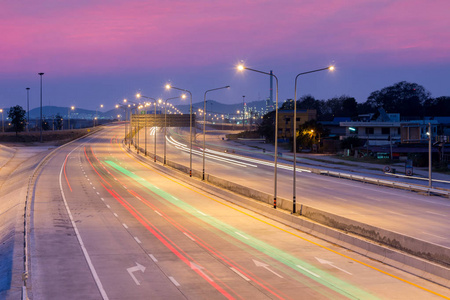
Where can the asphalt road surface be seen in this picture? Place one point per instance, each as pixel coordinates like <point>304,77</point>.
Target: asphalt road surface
<point>420,216</point>
<point>106,226</point>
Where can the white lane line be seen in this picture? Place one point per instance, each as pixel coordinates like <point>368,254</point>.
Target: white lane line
<point>306,270</point>
<point>93,187</point>
<point>158,213</point>
<point>90,182</point>
<point>137,240</point>
<point>437,214</point>
<point>241,235</point>
<point>125,225</point>
<point>124,187</point>
<point>107,205</point>
<point>190,237</point>
<point>396,213</point>
<point>98,193</point>
<point>175,198</point>
<point>102,199</point>
<point>174,281</point>
<point>116,215</point>
<point>202,213</point>
<point>239,273</point>
<point>80,240</point>
<point>153,257</point>
<point>441,237</point>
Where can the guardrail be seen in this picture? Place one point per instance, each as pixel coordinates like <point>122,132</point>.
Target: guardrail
<point>387,183</point>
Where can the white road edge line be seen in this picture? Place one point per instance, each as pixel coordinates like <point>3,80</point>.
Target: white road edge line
<point>116,215</point>
<point>158,213</point>
<point>137,240</point>
<point>174,281</point>
<point>125,225</point>
<point>80,240</point>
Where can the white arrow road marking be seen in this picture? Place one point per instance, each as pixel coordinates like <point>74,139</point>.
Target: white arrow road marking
<point>138,267</point>
<point>312,273</point>
<point>265,266</point>
<point>326,262</point>
<point>194,267</point>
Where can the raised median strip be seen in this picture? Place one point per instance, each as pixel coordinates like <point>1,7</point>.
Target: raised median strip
<point>413,255</point>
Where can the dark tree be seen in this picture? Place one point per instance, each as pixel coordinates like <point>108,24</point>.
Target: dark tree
<point>267,127</point>
<point>17,116</point>
<point>438,107</point>
<point>403,97</point>
<point>309,133</point>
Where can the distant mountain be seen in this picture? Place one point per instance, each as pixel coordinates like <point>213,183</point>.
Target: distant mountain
<point>212,107</point>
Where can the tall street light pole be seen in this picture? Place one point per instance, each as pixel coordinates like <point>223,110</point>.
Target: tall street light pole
<point>125,110</point>
<point>68,115</point>
<point>331,68</point>
<point>40,121</point>
<point>28,109</point>
<point>165,124</point>
<point>430,134</point>
<point>168,86</point>
<point>204,125</point>
<point>154,122</point>
<point>241,68</point>
<point>96,113</point>
<point>243,113</point>
<point>3,121</point>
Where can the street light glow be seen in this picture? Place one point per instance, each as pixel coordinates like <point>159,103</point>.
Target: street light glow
<point>138,95</point>
<point>240,67</point>
<point>331,68</point>
<point>168,87</point>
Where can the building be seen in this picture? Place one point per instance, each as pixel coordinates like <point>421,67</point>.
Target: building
<point>286,121</point>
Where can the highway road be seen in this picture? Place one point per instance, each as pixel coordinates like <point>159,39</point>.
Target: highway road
<point>420,216</point>
<point>106,226</point>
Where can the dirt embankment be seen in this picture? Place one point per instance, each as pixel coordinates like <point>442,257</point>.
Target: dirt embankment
<point>58,137</point>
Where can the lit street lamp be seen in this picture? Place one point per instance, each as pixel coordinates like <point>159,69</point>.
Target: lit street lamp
<point>125,109</point>
<point>154,124</point>
<point>3,121</point>
<point>165,123</point>
<point>96,114</point>
<point>168,87</point>
<point>204,125</point>
<point>68,115</point>
<point>331,68</point>
<point>241,68</point>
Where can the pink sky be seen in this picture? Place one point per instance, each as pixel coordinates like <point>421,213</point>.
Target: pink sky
<point>93,38</point>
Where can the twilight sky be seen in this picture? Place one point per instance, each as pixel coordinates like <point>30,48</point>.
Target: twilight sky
<point>98,52</point>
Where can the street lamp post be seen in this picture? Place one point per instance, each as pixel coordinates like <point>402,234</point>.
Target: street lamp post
<point>429,133</point>
<point>241,68</point>
<point>40,126</point>
<point>3,121</point>
<point>331,68</point>
<point>165,125</point>
<point>96,113</point>
<point>68,115</point>
<point>204,125</point>
<point>154,122</point>
<point>243,113</point>
<point>28,109</point>
<point>168,86</point>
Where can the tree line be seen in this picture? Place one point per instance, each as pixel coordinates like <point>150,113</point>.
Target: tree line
<point>410,100</point>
